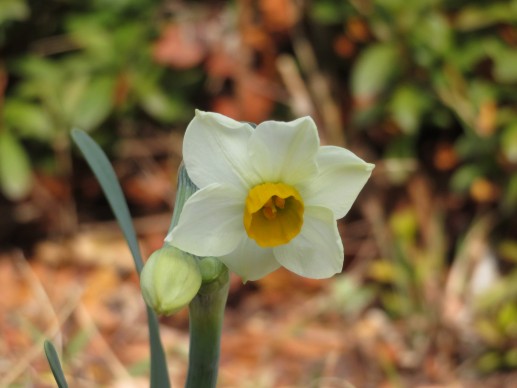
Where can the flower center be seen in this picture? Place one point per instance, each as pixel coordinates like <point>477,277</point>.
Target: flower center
<point>273,214</point>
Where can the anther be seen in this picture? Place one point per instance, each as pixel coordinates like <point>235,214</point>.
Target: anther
<point>279,202</point>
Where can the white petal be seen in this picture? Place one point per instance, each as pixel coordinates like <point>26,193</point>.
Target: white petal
<point>215,151</point>
<point>341,177</point>
<point>285,152</point>
<point>211,222</point>
<point>317,252</point>
<point>250,261</point>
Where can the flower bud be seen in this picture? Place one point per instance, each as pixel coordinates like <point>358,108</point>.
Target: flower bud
<point>210,268</point>
<point>169,280</point>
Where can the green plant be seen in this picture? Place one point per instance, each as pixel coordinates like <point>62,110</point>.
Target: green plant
<point>436,79</point>
<point>93,65</point>
<point>221,156</point>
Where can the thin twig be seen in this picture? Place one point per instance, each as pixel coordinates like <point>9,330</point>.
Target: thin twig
<point>37,349</point>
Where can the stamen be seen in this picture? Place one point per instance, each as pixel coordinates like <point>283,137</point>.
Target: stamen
<point>269,208</point>
<point>279,202</point>
<point>269,212</point>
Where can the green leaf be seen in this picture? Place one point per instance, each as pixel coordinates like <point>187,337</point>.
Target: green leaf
<point>160,105</point>
<point>13,10</point>
<point>105,174</point>
<point>15,169</point>
<point>480,92</point>
<point>407,106</point>
<point>489,362</point>
<point>476,17</point>
<point>374,70</point>
<point>506,318</point>
<point>510,195</point>
<point>37,68</point>
<point>510,358</point>
<point>101,167</point>
<point>404,224</point>
<point>328,11</point>
<point>474,147</point>
<point>159,375</point>
<point>95,104</point>
<point>509,142</point>
<point>90,34</point>
<point>471,52</point>
<point>433,31</point>
<point>72,90</point>
<point>55,365</point>
<point>463,178</point>
<point>505,69</point>
<point>29,119</point>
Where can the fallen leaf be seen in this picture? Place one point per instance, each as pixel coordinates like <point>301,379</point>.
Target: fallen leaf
<point>179,47</point>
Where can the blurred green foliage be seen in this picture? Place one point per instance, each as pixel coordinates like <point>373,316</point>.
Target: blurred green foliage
<point>79,65</point>
<point>436,82</point>
<point>496,323</point>
<point>436,65</point>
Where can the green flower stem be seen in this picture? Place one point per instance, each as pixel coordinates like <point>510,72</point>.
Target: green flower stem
<point>206,310</point>
<point>206,319</point>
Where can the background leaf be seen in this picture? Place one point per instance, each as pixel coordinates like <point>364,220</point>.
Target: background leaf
<point>373,70</point>
<point>95,104</point>
<point>15,169</point>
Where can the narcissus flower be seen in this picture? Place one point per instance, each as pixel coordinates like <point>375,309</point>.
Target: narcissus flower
<point>268,196</point>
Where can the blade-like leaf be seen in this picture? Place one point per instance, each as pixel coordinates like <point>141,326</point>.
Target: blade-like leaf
<point>159,374</point>
<point>55,365</point>
<point>105,174</point>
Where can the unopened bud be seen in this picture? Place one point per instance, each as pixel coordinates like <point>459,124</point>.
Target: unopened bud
<point>169,280</point>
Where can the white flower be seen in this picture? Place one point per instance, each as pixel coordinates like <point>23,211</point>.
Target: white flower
<point>268,197</point>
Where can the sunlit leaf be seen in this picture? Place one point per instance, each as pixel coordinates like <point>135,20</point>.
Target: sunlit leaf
<point>72,91</point>
<point>505,69</point>
<point>159,105</point>
<point>507,318</point>
<point>434,32</point>
<point>15,169</point>
<point>328,11</point>
<point>382,271</point>
<point>374,70</point>
<point>28,119</point>
<point>13,10</point>
<point>407,106</point>
<point>404,224</point>
<point>475,17</point>
<point>509,142</point>
<point>95,104</point>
